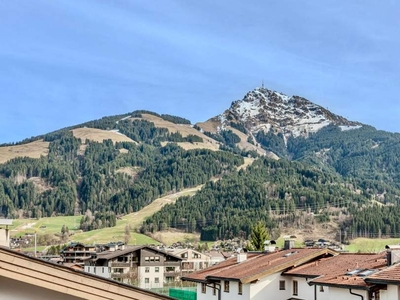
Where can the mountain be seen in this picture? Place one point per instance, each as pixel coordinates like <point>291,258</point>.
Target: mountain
<point>310,166</point>
<point>265,112</point>
<point>263,109</point>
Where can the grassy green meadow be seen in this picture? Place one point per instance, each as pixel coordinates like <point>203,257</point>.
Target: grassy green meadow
<point>53,225</point>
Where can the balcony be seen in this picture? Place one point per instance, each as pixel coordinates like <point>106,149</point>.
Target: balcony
<point>172,264</point>
<point>119,275</point>
<point>120,265</point>
<point>173,273</point>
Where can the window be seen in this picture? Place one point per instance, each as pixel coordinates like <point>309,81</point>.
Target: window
<point>195,255</point>
<point>156,280</point>
<point>240,288</point>
<point>152,258</point>
<point>147,258</point>
<point>157,258</point>
<point>282,285</point>
<point>203,288</point>
<point>147,269</point>
<point>321,288</point>
<point>157,269</point>
<point>146,280</point>
<point>226,286</point>
<point>102,270</point>
<point>295,288</point>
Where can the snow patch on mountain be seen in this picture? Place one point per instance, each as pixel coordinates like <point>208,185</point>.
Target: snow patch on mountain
<point>345,128</point>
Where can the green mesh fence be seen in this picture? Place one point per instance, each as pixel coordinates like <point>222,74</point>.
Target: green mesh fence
<point>183,294</point>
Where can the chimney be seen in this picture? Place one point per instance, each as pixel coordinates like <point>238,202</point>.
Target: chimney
<point>289,242</point>
<point>269,246</point>
<point>5,232</point>
<point>241,257</point>
<point>392,254</point>
<point>388,258</point>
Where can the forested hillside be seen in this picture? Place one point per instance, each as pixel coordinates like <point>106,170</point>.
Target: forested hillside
<point>77,176</point>
<point>268,190</point>
<point>365,155</point>
<point>349,176</point>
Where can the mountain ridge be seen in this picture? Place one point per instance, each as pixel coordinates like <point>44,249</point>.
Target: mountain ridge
<point>268,110</point>
<point>321,162</point>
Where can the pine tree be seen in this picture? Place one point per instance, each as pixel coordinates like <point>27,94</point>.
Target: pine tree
<point>258,236</point>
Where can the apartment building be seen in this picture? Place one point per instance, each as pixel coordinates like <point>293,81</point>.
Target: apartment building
<point>142,266</point>
<point>77,253</point>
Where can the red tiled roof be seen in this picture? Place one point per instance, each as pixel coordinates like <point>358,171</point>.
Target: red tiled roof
<point>332,270</point>
<point>388,275</point>
<point>258,265</point>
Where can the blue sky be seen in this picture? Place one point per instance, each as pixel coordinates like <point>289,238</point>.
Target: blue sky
<point>65,62</point>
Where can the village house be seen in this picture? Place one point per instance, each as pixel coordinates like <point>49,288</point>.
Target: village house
<point>24,277</point>
<point>77,253</point>
<point>218,256</point>
<point>142,266</point>
<point>339,277</point>
<point>302,274</point>
<point>192,260</point>
<point>254,275</point>
<point>389,277</point>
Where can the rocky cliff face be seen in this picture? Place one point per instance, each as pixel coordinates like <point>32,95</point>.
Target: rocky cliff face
<point>263,109</point>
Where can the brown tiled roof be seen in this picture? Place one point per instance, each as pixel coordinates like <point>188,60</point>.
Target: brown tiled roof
<point>332,270</point>
<point>258,265</point>
<point>388,275</point>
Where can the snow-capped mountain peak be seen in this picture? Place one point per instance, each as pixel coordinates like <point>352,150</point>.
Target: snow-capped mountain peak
<point>264,109</point>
